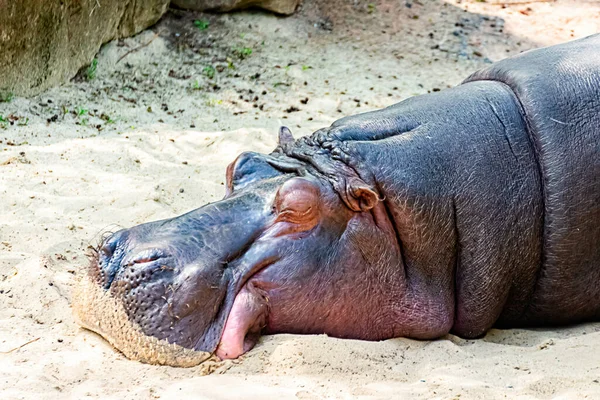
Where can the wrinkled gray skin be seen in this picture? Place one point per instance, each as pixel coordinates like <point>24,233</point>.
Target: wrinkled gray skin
<point>457,211</point>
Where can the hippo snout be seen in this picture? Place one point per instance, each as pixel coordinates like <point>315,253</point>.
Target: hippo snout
<point>166,287</point>
<point>136,295</point>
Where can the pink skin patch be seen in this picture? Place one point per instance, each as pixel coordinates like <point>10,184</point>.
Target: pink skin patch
<point>245,321</point>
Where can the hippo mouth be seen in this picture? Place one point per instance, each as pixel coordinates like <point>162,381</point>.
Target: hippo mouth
<point>99,307</point>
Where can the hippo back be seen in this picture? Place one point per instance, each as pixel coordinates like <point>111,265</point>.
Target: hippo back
<point>559,91</point>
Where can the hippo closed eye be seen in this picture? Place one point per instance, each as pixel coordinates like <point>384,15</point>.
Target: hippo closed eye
<point>474,207</point>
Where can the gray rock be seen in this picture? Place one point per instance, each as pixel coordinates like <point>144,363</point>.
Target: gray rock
<point>45,43</point>
<point>278,6</point>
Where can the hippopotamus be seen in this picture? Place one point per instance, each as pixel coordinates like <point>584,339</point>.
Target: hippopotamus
<point>452,212</point>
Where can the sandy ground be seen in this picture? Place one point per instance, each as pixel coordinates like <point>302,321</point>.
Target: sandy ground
<point>149,137</point>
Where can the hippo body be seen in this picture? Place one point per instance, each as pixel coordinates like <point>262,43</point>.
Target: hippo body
<point>456,211</point>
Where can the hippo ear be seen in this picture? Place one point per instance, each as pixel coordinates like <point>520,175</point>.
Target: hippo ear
<point>285,137</point>
<point>247,168</point>
<point>360,196</point>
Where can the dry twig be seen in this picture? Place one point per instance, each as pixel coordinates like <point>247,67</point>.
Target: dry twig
<point>138,48</point>
<point>21,346</point>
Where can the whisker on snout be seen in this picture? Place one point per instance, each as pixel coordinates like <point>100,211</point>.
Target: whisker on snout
<point>102,236</point>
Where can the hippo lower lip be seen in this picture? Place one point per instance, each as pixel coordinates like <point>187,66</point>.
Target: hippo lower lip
<point>249,312</point>
<point>247,318</point>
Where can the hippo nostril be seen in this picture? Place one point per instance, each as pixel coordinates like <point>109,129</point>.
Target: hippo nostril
<point>110,245</point>
<point>110,253</point>
<point>107,251</point>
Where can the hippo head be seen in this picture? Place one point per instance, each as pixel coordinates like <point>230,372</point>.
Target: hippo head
<point>284,251</point>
